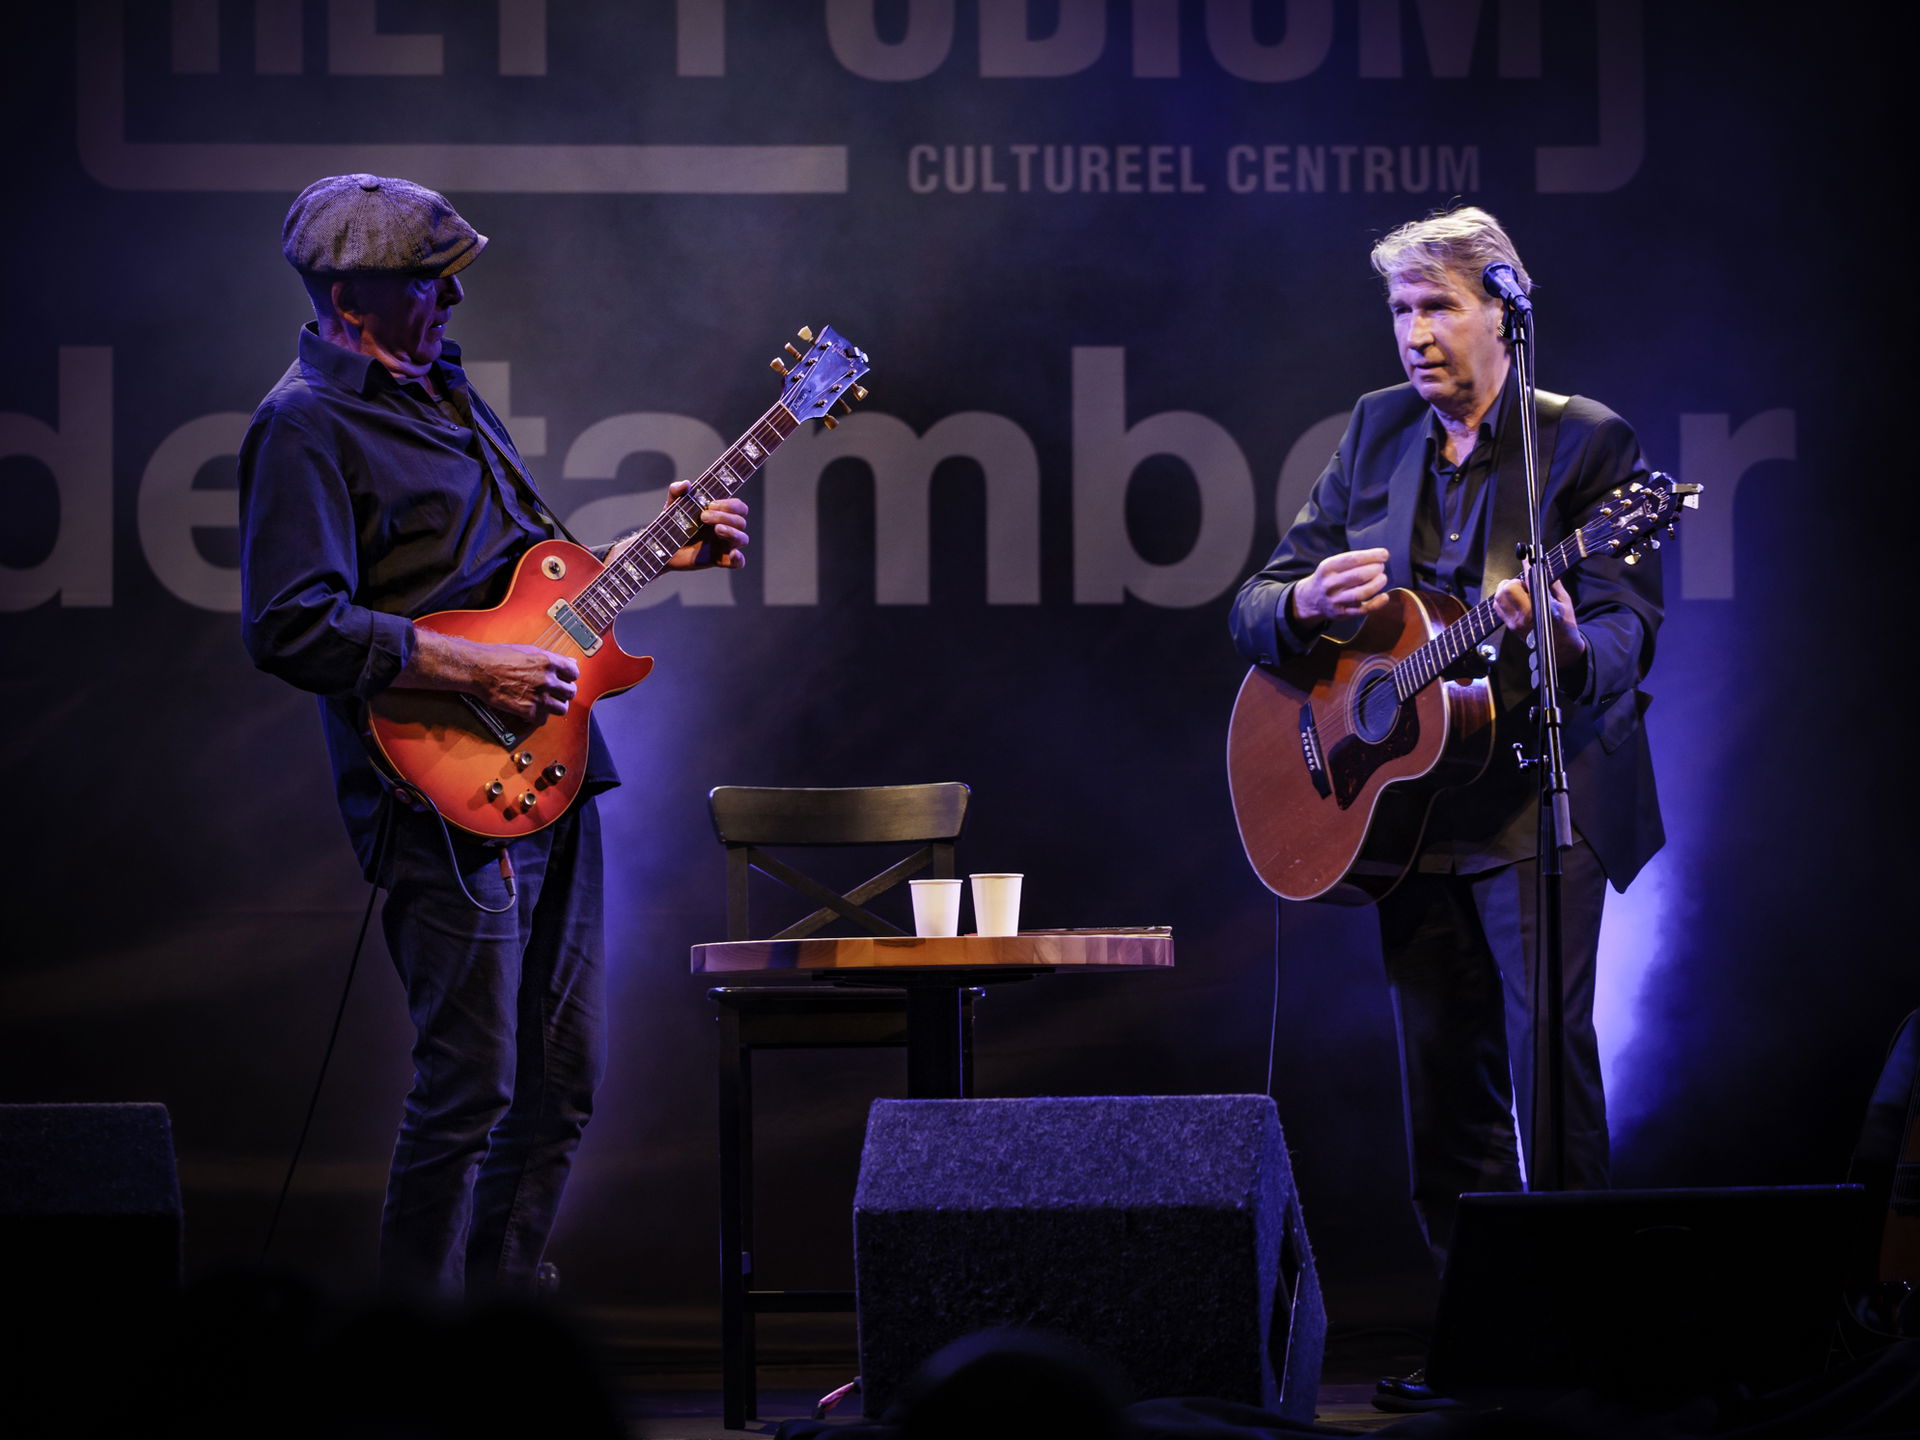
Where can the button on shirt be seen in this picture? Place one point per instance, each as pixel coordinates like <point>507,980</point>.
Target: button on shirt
<point>1450,523</point>
<point>365,503</point>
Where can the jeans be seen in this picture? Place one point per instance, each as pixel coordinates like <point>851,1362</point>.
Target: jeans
<point>1459,952</point>
<point>509,1012</point>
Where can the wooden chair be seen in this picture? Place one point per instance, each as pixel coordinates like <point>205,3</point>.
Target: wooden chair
<point>750,821</point>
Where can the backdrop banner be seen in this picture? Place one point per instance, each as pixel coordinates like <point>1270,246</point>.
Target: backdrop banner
<point>1110,264</point>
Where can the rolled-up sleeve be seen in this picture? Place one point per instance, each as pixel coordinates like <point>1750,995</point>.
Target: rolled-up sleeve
<point>299,565</point>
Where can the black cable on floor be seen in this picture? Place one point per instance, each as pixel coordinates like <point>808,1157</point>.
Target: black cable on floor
<point>333,1035</point>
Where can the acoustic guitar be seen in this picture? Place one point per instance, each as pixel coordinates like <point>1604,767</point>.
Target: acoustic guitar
<point>1335,757</point>
<point>500,777</point>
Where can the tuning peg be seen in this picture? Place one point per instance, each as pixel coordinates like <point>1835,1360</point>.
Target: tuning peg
<point>777,364</point>
<point>845,409</point>
<point>1633,557</point>
<point>806,333</point>
<point>791,351</point>
<point>859,392</point>
<point>829,422</point>
<point>1654,543</point>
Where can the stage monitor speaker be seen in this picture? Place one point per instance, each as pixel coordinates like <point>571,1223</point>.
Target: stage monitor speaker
<point>1643,1294</point>
<point>89,1209</point>
<point>1161,1232</point>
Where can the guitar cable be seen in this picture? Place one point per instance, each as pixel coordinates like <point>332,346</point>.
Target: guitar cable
<point>1273,1022</point>
<point>507,878</point>
<point>333,1035</point>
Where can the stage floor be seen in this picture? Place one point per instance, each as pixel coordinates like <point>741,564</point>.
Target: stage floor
<point>663,1406</point>
<point>694,1414</point>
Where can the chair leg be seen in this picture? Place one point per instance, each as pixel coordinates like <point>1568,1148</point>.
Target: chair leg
<point>739,1399</point>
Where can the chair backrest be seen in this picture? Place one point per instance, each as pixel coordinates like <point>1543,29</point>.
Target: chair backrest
<point>749,818</point>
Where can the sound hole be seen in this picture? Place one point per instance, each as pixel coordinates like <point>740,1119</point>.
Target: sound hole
<point>1375,708</point>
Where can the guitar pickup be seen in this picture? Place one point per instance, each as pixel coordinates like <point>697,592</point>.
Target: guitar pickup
<point>1311,753</point>
<point>578,630</point>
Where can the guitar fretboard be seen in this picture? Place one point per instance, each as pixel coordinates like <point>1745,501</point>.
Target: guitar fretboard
<point>644,559</point>
<point>1415,671</point>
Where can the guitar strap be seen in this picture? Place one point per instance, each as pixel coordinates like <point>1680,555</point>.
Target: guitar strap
<point>497,455</point>
<point>1508,523</point>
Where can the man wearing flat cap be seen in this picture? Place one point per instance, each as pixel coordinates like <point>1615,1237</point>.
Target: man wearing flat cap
<point>375,488</point>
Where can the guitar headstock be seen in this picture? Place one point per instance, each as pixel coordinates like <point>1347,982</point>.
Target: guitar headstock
<point>1632,519</point>
<point>822,378</point>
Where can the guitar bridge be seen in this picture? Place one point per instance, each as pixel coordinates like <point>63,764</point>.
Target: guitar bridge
<point>1310,752</point>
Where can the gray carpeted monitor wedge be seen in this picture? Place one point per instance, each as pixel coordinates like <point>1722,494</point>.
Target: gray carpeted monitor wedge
<point>1162,1232</point>
<point>1647,1295</point>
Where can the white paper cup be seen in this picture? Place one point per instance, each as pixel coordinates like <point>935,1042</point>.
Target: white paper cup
<point>936,907</point>
<point>996,904</point>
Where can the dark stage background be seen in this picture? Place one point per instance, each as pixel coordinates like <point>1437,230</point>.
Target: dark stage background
<point>1110,264</point>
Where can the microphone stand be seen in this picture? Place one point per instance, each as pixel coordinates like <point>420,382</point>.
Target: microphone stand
<point>1547,1169</point>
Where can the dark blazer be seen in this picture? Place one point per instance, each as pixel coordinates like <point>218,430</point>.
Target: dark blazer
<point>1367,497</point>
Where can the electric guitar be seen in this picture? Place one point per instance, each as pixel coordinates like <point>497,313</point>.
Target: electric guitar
<point>1335,757</point>
<point>500,777</point>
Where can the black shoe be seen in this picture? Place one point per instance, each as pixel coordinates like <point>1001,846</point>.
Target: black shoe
<point>1410,1393</point>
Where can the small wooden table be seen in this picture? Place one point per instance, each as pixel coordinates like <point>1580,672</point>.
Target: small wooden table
<point>936,972</point>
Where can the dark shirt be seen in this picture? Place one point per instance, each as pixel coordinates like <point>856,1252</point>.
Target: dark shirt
<point>1450,523</point>
<point>365,503</point>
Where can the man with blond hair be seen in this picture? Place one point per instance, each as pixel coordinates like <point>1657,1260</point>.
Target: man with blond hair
<point>1427,491</point>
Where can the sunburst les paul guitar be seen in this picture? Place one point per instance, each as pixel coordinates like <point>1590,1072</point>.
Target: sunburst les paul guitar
<point>1335,757</point>
<point>500,777</point>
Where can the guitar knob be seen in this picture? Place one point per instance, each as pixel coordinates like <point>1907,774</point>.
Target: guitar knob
<point>554,773</point>
<point>496,790</point>
<point>529,799</point>
<point>523,759</point>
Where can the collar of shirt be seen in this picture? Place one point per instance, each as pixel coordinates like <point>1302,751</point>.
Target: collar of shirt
<point>363,374</point>
<point>1485,445</point>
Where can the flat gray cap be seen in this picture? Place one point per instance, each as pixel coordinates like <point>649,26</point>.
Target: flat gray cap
<point>361,224</point>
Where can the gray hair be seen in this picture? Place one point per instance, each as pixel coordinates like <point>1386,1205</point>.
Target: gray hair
<point>1466,240</point>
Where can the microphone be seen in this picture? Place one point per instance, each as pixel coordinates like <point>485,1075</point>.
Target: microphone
<point>1501,282</point>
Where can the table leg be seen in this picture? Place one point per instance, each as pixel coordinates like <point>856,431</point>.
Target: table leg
<point>939,1042</point>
